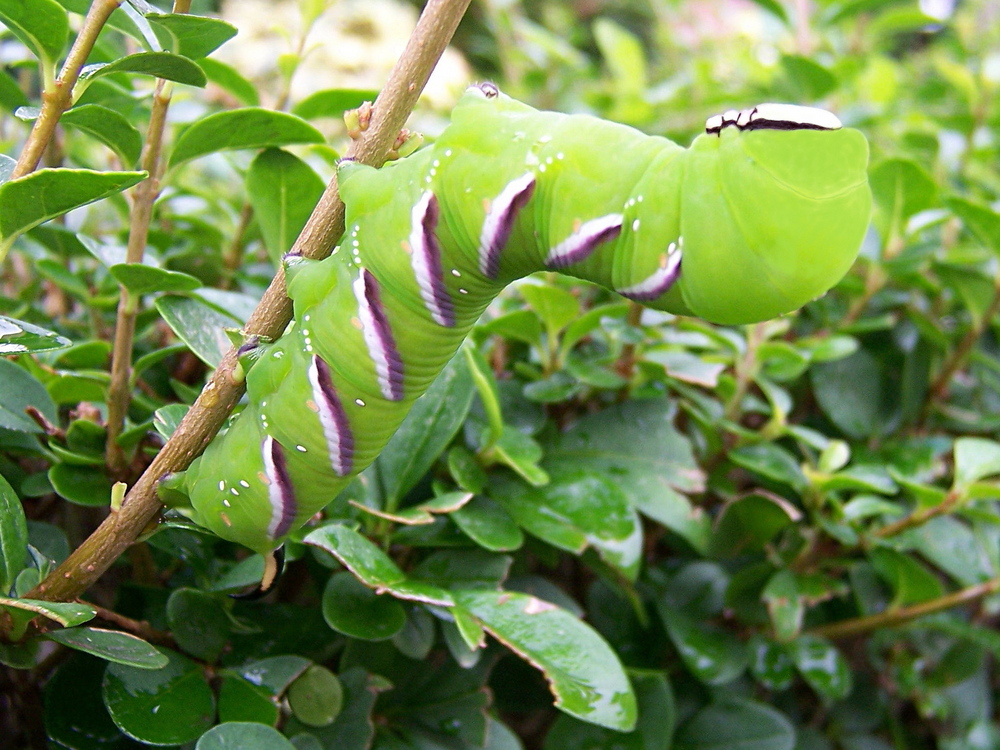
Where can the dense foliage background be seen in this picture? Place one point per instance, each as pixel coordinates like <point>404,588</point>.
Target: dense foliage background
<point>788,533</point>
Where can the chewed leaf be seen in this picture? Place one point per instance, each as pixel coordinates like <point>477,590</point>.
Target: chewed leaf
<point>583,672</point>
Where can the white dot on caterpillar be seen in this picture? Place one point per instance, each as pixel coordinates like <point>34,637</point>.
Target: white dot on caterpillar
<point>544,138</point>
<point>436,163</point>
<point>300,448</point>
<point>359,402</point>
<point>222,485</point>
<point>560,155</point>
<point>463,291</point>
<point>541,167</point>
<point>245,483</point>
<point>635,225</point>
<point>234,491</point>
<point>549,160</point>
<point>225,501</point>
<point>277,354</point>
<point>455,272</point>
<point>447,152</point>
<point>639,199</point>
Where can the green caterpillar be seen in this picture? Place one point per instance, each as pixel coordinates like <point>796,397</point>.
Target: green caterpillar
<point>763,213</point>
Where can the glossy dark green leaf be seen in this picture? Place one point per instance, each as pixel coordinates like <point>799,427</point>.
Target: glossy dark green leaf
<point>316,697</point>
<point>67,614</point>
<point>910,581</point>
<point>199,622</point>
<point>785,604</point>
<point>771,664</point>
<point>353,727</point>
<point>47,193</point>
<point>199,326</point>
<point>19,390</point>
<point>487,523</point>
<point>81,485</point>
<point>748,523</point>
<point>653,731</point>
<point>42,26</point>
<point>247,128</point>
<point>111,645</point>
<point>711,654</point>
<point>167,706</point>
<point>772,461</point>
<point>164,65</point>
<point>372,566</point>
<point>13,536</point>
<point>283,190</point>
<point>242,700</point>
<point>109,127</point>
<point>636,444</point>
<point>431,424</point>
<point>243,734</point>
<point>579,510</point>
<point>354,609</point>
<point>189,35</point>
<point>583,672</point>
<point>74,714</point>
<point>736,725</point>
<point>521,453</point>
<point>822,666</point>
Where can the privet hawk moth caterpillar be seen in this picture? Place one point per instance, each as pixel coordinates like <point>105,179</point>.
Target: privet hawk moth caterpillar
<point>763,213</point>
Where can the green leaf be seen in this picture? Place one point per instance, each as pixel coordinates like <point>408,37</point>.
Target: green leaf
<point>583,672</point>
<point>13,536</point>
<point>487,523</point>
<point>109,127</point>
<point>11,98</point>
<point>975,459</point>
<point>19,390</point>
<point>736,725</point>
<point>75,716</point>
<point>247,128</point>
<point>283,190</point>
<point>190,36</point>
<point>746,524</point>
<point>110,645</point>
<point>772,461</point>
<point>67,614</point>
<point>651,461</point>
<point>810,79</point>
<point>910,581</point>
<point>199,622</point>
<point>901,188</point>
<point>372,566</point>
<point>81,485</point>
<point>41,24</point>
<point>654,729</point>
<point>47,193</point>
<point>785,604</point>
<point>427,430</point>
<point>770,663</point>
<point>822,666</point>
<point>20,337</point>
<point>354,609</point>
<point>578,510</point>
<point>556,307</point>
<point>711,654</point>
<point>198,325</point>
<point>316,697</point>
<point>164,65</point>
<point>229,79</point>
<point>167,706</point>
<point>332,102</point>
<point>981,221</point>
<point>775,8</point>
<point>521,453</point>
<point>246,734</point>
<point>139,278</point>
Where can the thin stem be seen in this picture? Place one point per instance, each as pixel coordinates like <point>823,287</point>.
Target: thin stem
<point>920,517</point>
<point>57,98</point>
<point>145,194</point>
<point>85,565</point>
<point>746,368</point>
<point>902,615</point>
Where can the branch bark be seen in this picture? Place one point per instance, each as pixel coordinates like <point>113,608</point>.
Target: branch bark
<point>85,565</point>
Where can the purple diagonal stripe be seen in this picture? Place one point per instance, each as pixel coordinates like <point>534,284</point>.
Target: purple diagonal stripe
<point>499,222</point>
<point>332,418</point>
<point>579,245</point>
<point>378,336</point>
<point>426,260</point>
<point>279,489</point>
<point>656,283</point>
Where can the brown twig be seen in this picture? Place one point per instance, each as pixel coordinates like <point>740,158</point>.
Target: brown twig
<point>56,100</point>
<point>920,517</point>
<point>86,564</point>
<point>144,196</point>
<point>902,615</point>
